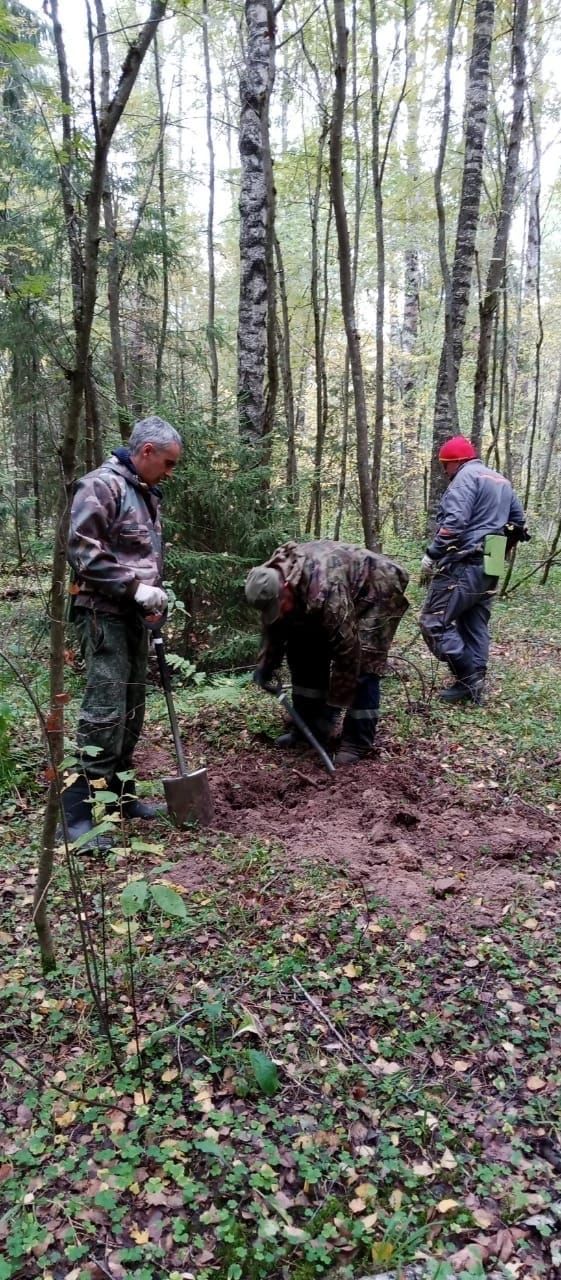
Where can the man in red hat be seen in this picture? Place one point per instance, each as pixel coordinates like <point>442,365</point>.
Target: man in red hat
<point>477,503</point>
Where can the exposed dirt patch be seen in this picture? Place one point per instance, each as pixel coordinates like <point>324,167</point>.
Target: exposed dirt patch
<point>392,823</point>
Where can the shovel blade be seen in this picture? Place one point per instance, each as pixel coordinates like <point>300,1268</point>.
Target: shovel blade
<point>188,799</point>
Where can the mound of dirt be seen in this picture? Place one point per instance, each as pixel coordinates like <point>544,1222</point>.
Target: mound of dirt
<point>393,824</point>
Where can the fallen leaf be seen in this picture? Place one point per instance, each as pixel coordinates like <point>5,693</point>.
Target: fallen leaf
<point>423,1169</point>
<point>461,1064</point>
<point>396,1199</point>
<point>446,1206</point>
<point>171,1073</point>
<point>535,1083</point>
<point>418,934</point>
<point>350,970</point>
<point>530,923</point>
<point>448,1160</point>
<point>357,1205</point>
<point>482,1218</point>
<point>140,1237</point>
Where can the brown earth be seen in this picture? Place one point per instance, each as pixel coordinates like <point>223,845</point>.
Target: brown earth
<point>392,824</point>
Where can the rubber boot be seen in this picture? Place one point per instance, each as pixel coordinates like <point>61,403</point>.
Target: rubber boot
<point>131,806</point>
<point>76,803</point>
<point>290,740</point>
<point>470,689</point>
<point>350,753</point>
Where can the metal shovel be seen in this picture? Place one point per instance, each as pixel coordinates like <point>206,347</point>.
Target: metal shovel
<point>301,725</point>
<point>188,797</point>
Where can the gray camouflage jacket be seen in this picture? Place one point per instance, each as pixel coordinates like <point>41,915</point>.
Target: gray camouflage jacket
<point>115,538</point>
<point>477,501</point>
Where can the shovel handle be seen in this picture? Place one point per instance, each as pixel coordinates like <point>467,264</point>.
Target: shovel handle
<point>302,726</point>
<point>166,686</point>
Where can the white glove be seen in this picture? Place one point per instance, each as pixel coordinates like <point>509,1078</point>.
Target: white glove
<point>428,567</point>
<point>151,599</point>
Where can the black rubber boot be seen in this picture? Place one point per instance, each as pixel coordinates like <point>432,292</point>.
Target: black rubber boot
<point>132,807</point>
<point>290,740</point>
<point>470,689</point>
<point>77,808</point>
<point>350,753</point>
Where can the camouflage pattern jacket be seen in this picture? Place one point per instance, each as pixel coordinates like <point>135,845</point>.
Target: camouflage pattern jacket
<point>357,598</point>
<point>115,539</point>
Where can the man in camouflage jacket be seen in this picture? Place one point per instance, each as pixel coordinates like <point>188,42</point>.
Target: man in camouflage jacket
<point>333,610</point>
<point>115,550</point>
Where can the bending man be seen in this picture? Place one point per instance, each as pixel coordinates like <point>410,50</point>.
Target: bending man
<point>455,619</point>
<point>333,610</point>
<point>115,549</point>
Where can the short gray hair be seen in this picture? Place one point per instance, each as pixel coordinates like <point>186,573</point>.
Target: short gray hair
<point>153,431</point>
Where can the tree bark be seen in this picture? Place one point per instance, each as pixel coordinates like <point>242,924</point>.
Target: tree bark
<point>288,390</point>
<point>476,111</point>
<point>162,118</point>
<point>380,265</point>
<point>345,276</point>
<point>412,278</point>
<point>498,255</point>
<point>256,230</point>
<point>114,302</point>
<point>314,509</point>
<point>211,314</point>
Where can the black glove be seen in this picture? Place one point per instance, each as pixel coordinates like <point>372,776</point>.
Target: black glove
<point>516,533</point>
<point>263,680</point>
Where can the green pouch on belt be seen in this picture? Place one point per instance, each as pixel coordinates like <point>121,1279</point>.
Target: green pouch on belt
<point>494,549</point>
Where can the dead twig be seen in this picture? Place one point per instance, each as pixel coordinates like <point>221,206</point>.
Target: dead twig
<point>345,1044</point>
<point>304,777</point>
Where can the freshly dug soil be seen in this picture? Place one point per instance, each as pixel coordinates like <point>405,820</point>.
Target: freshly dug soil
<point>393,824</point>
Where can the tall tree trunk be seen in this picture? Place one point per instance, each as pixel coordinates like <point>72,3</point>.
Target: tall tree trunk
<point>84,274</point>
<point>256,229</point>
<point>288,389</point>
<point>345,276</point>
<point>551,433</point>
<point>380,265</point>
<point>34,445</point>
<point>448,341</point>
<point>498,255</point>
<point>313,518</point>
<point>162,120</point>
<point>412,277</point>
<point>476,111</point>
<point>114,301</point>
<point>211,314</point>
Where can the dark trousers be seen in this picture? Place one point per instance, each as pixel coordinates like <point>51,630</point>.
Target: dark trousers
<point>309,661</point>
<point>455,617</point>
<point>115,649</point>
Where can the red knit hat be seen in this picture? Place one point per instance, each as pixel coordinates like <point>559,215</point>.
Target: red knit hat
<point>458,449</point>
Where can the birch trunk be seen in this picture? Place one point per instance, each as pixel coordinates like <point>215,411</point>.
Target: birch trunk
<point>498,255</point>
<point>211,314</point>
<point>476,111</point>
<point>256,228</point>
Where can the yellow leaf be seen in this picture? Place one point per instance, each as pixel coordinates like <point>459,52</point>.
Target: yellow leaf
<point>461,1064</point>
<point>134,1188</point>
<point>446,1206</point>
<point>350,970</point>
<point>375,928</point>
<point>171,1073</point>
<point>418,934</point>
<point>299,939</point>
<point>65,1120</point>
<point>141,1237</point>
<point>423,1169</point>
<point>551,885</point>
<point>530,923</point>
<point>117,1121</point>
<point>535,1083</point>
<point>99,784</point>
<point>366,1191</point>
<point>448,1161</point>
<point>396,1199</point>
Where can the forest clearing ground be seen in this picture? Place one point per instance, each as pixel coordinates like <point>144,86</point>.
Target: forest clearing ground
<point>350,1048</point>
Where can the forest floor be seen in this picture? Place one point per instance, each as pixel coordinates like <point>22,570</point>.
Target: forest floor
<point>341,1057</point>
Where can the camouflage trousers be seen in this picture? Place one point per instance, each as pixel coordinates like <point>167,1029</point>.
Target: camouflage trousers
<point>115,649</point>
